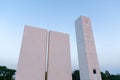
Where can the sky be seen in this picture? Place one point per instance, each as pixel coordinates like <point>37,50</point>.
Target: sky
<point>59,15</point>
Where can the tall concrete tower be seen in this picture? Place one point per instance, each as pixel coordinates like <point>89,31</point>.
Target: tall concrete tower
<point>88,62</point>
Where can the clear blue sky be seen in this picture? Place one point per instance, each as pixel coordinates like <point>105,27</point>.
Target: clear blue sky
<point>59,15</point>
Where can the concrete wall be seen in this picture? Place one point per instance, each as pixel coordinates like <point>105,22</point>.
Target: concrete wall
<point>36,44</point>
<point>32,60</point>
<point>86,50</point>
<point>59,62</point>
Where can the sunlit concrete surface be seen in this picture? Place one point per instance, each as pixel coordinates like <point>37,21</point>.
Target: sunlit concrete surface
<point>88,62</point>
<point>59,62</point>
<point>32,60</point>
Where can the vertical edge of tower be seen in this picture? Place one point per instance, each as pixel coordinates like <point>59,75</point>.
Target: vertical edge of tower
<point>83,64</point>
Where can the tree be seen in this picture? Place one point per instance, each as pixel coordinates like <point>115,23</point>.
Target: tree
<point>75,75</point>
<point>108,76</point>
<point>5,73</point>
<point>103,76</point>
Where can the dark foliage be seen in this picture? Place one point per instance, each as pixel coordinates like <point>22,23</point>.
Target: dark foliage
<point>108,76</point>
<point>5,73</point>
<point>75,75</point>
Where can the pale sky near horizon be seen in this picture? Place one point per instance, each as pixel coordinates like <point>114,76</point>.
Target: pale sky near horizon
<point>59,15</point>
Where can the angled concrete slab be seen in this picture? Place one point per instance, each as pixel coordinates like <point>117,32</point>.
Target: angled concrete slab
<point>32,60</point>
<point>59,62</point>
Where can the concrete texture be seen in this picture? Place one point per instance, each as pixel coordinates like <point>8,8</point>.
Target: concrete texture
<point>59,62</point>
<point>88,61</point>
<point>32,60</point>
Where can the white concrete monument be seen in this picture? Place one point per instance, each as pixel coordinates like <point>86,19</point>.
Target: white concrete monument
<point>32,59</point>
<point>36,44</point>
<point>88,62</point>
<point>59,63</point>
